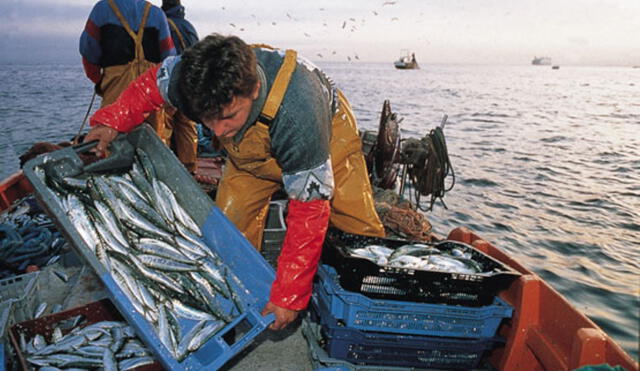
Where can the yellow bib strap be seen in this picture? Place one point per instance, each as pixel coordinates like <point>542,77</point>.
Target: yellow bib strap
<point>177,31</point>
<point>137,38</point>
<point>279,88</point>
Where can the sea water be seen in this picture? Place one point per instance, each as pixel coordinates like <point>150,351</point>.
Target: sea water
<point>547,162</point>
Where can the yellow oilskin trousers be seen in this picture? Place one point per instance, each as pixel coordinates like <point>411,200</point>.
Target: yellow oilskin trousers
<point>251,176</point>
<point>115,79</point>
<point>183,135</point>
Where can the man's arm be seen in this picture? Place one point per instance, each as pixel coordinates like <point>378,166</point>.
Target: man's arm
<point>307,223</point>
<point>90,47</point>
<point>134,104</point>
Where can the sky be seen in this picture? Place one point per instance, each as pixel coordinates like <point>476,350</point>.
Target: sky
<point>508,32</point>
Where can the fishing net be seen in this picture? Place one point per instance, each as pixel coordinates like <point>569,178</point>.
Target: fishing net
<point>400,219</point>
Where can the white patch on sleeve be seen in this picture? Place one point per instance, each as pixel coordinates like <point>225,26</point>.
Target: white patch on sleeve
<point>164,76</point>
<point>309,185</point>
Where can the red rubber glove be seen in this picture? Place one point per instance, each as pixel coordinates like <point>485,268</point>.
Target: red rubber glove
<point>298,262</point>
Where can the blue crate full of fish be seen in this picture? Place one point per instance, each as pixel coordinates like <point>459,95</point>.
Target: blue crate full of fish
<point>355,310</point>
<point>177,269</point>
<point>445,272</point>
<point>401,350</point>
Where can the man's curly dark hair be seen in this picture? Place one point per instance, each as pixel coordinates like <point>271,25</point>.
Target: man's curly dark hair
<point>213,71</point>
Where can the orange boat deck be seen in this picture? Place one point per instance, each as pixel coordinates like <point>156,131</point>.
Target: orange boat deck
<point>13,188</point>
<point>545,333</point>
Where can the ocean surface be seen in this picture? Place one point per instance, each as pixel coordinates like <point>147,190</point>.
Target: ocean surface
<point>547,162</point>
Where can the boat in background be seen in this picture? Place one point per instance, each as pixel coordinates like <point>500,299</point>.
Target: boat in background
<point>541,61</point>
<point>407,61</point>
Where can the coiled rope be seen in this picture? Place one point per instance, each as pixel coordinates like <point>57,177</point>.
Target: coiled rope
<point>428,166</point>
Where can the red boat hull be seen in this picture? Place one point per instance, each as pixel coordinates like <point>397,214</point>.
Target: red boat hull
<point>546,331</point>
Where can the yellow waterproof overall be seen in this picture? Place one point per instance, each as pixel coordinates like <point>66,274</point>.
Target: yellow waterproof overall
<point>181,131</point>
<point>252,175</point>
<point>116,78</point>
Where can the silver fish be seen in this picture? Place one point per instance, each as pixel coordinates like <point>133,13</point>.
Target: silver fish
<point>40,310</point>
<point>206,333</point>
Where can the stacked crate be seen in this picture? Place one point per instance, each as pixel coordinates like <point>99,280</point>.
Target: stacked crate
<point>361,330</point>
<point>17,303</point>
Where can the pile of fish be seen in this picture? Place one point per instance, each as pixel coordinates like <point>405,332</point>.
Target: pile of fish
<point>420,256</point>
<point>27,237</point>
<point>137,230</point>
<point>106,345</point>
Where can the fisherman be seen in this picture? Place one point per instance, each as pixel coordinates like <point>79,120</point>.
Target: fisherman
<point>178,127</point>
<point>121,40</point>
<point>284,125</point>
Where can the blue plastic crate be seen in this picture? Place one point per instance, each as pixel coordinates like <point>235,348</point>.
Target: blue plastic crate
<point>20,291</point>
<point>360,312</point>
<point>3,363</point>
<point>219,234</point>
<point>5,311</point>
<point>320,360</point>
<point>385,349</point>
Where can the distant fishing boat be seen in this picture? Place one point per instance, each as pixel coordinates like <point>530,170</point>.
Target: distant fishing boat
<point>541,61</point>
<point>407,62</point>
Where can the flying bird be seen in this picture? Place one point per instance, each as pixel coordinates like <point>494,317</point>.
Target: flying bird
<point>389,3</point>
<point>394,19</point>
<point>344,24</point>
<point>307,35</point>
<point>349,58</point>
<point>319,55</point>
<point>232,25</point>
<point>375,13</point>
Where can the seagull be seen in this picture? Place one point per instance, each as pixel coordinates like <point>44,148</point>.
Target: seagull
<point>319,55</point>
<point>349,58</point>
<point>356,57</point>
<point>307,35</point>
<point>394,19</point>
<point>344,24</point>
<point>232,25</point>
<point>389,3</point>
<point>375,13</point>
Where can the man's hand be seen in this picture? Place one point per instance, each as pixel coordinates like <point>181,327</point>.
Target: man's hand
<point>284,316</point>
<point>104,135</point>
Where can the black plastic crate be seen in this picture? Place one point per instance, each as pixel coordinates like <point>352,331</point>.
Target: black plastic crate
<point>439,287</point>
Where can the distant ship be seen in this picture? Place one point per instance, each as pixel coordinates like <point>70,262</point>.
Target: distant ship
<point>407,62</point>
<point>541,61</point>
